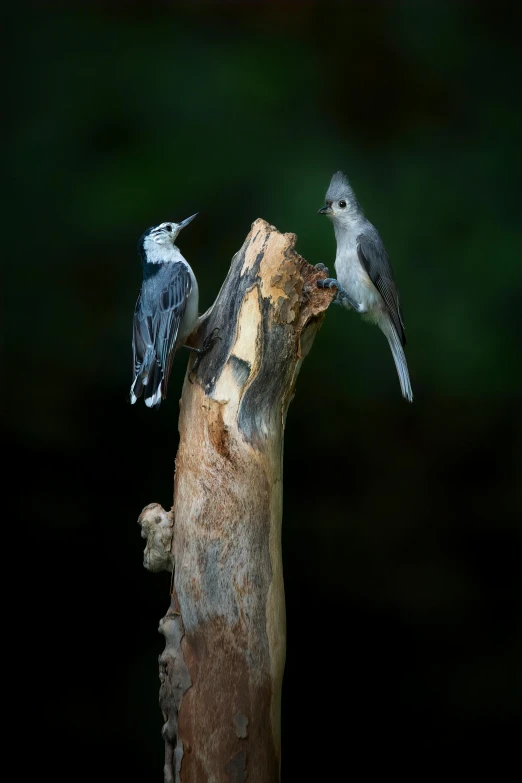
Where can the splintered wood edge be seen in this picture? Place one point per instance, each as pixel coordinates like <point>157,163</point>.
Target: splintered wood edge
<point>320,298</point>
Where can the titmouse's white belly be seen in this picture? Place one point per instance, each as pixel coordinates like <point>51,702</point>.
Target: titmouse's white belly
<point>356,282</point>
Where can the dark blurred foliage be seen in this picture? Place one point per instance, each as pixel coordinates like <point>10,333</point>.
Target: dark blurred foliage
<point>401,534</point>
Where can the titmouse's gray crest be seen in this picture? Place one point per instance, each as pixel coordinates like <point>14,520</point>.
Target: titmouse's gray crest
<point>340,188</point>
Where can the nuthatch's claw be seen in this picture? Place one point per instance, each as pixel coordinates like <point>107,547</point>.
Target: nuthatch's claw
<point>208,343</point>
<point>210,339</point>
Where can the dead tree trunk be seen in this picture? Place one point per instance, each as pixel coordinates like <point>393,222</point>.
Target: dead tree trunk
<point>222,669</point>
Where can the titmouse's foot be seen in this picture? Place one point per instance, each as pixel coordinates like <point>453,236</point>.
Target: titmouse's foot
<point>322,268</point>
<point>342,297</point>
<point>209,341</point>
<point>346,300</point>
<point>329,282</point>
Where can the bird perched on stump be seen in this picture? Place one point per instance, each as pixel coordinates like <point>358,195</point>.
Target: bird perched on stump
<point>166,311</point>
<point>364,274</point>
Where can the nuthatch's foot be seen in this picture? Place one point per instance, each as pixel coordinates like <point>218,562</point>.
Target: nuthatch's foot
<point>210,340</point>
<point>208,343</point>
<point>321,268</point>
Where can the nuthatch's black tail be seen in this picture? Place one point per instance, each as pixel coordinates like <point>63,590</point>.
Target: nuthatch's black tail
<point>148,381</point>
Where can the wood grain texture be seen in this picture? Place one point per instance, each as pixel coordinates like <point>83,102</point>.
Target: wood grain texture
<point>226,649</point>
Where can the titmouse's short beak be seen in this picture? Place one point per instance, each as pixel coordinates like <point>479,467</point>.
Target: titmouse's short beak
<point>187,221</point>
<point>324,210</point>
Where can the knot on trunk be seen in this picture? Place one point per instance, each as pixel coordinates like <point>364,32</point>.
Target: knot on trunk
<point>157,526</point>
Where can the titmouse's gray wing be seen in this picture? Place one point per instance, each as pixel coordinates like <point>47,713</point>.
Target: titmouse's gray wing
<point>374,258</point>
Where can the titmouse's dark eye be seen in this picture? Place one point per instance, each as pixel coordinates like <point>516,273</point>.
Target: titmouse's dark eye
<point>342,204</point>
<point>168,228</point>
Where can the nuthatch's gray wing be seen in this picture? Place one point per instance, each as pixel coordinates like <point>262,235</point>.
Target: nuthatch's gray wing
<point>374,258</point>
<point>141,338</point>
<point>158,316</point>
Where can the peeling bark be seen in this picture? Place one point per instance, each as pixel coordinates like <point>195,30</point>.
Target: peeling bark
<point>223,663</point>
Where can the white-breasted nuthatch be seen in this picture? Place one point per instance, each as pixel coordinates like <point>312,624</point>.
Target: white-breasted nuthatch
<point>166,311</point>
<point>365,278</point>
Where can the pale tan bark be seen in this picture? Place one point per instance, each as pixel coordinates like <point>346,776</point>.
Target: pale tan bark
<point>222,668</point>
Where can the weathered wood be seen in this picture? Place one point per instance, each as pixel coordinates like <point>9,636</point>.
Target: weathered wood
<point>222,668</point>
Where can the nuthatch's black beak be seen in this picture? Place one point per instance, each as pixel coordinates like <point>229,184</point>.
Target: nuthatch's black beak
<point>187,221</point>
<point>325,210</point>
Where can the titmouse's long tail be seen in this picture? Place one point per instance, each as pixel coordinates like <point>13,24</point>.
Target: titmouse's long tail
<point>399,358</point>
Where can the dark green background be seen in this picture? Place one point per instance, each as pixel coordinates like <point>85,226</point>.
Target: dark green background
<point>400,534</point>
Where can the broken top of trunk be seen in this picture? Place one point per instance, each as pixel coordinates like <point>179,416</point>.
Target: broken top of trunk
<point>267,300</point>
<point>223,715</point>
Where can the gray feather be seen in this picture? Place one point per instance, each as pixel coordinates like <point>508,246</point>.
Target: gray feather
<point>374,258</point>
<point>400,360</point>
<point>157,318</point>
<point>340,188</point>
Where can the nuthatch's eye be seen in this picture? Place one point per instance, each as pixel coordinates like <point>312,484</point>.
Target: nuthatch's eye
<point>342,204</point>
<point>168,228</point>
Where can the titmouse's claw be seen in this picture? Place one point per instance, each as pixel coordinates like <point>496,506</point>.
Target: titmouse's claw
<point>328,282</point>
<point>322,268</point>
